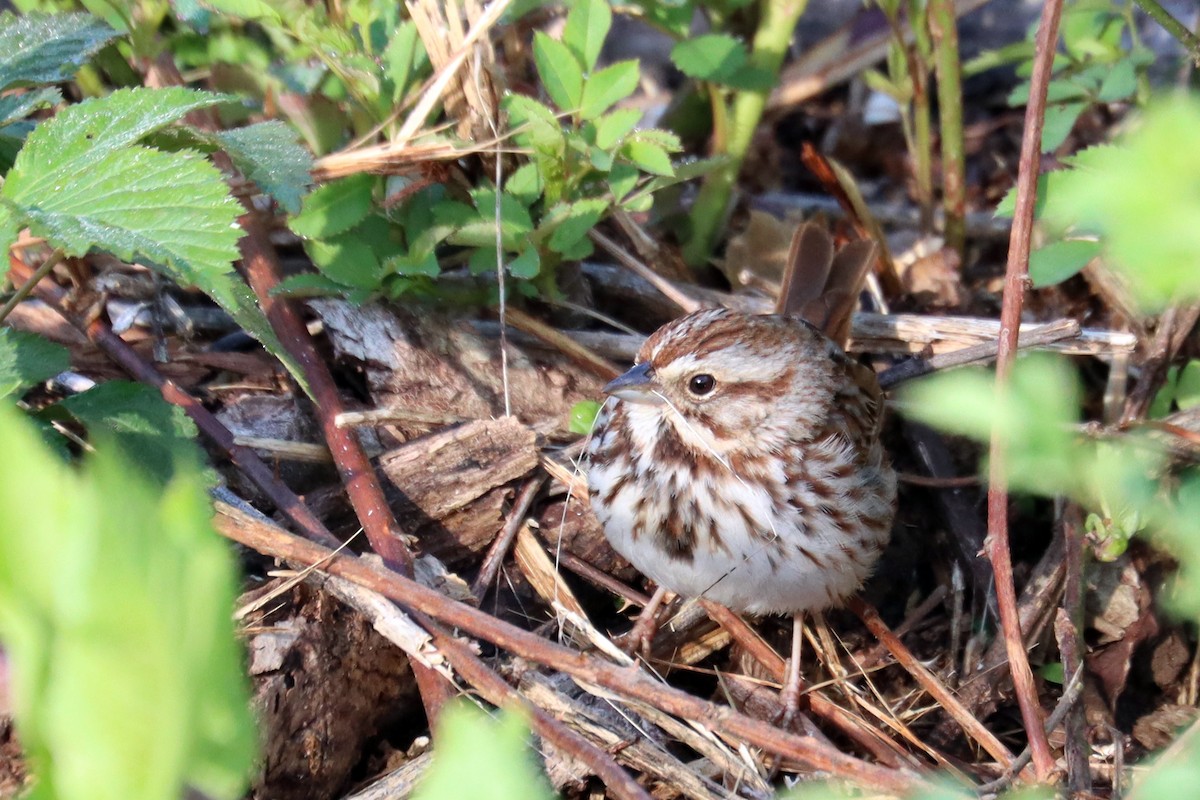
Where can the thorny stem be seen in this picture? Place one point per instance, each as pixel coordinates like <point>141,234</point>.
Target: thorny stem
<point>358,475</point>
<point>1173,26</point>
<point>943,26</point>
<point>776,23</point>
<point>1016,277</point>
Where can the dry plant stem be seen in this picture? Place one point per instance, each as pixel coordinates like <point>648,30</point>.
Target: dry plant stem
<point>29,283</point>
<point>1068,631</point>
<point>978,353</point>
<point>355,469</point>
<point>875,742</point>
<point>127,358</point>
<point>1068,701</point>
<point>972,726</point>
<point>573,350</point>
<point>668,289</point>
<point>944,28</point>
<point>600,578</point>
<point>497,692</point>
<point>499,548</point>
<point>1016,278</point>
<point>914,618</point>
<point>626,681</point>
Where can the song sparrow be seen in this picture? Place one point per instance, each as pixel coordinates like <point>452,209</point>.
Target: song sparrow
<point>739,460</point>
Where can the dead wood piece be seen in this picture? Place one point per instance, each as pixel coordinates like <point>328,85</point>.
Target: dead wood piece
<point>325,685</point>
<point>450,486</point>
<point>571,526</point>
<point>435,364</point>
<point>399,784</point>
<point>611,728</point>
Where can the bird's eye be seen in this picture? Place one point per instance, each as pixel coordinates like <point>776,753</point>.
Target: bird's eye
<point>702,384</point>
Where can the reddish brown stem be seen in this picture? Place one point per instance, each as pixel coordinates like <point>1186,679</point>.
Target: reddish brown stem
<point>362,485</point>
<point>629,682</point>
<point>358,474</point>
<point>856,728</point>
<point>973,727</point>
<point>1016,278</point>
<point>499,548</point>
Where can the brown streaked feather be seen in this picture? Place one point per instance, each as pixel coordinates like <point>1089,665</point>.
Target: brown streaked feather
<point>822,287</point>
<point>846,277</point>
<point>807,270</point>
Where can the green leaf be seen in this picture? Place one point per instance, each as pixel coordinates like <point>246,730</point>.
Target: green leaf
<point>480,229</point>
<point>622,179</point>
<point>526,265</point>
<point>525,184</point>
<point>534,124</point>
<point>308,284</point>
<point>1053,672</point>
<point>267,153</point>
<point>571,222</point>
<point>345,259</point>
<point>415,263</point>
<point>667,140</point>
<point>40,48</point>
<point>1120,82</point>
<point>560,72</point>
<point>1142,199</point>
<point>613,127</point>
<point>685,171</point>
<point>588,23</point>
<point>649,156</point>
<point>16,106</point>
<point>148,431</point>
<point>99,126</point>
<point>27,359</point>
<point>608,86</point>
<point>9,231</point>
<point>711,57</point>
<point>80,182</point>
<point>127,680</point>
<point>1187,387</point>
<point>1057,261</point>
<point>399,58</point>
<point>335,207</point>
<point>1060,119</point>
<point>1047,193</point>
<point>480,758</point>
<point>583,416</point>
<point>254,10</point>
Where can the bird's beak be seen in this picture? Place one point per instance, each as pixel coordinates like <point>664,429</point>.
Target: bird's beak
<point>636,386</point>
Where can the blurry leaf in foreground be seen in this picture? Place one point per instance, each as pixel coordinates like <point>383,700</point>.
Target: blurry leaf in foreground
<point>150,432</point>
<point>1143,198</point>
<point>115,600</point>
<point>480,758</point>
<point>1035,417</point>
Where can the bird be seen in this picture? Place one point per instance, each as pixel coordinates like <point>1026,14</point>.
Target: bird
<point>739,460</point>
